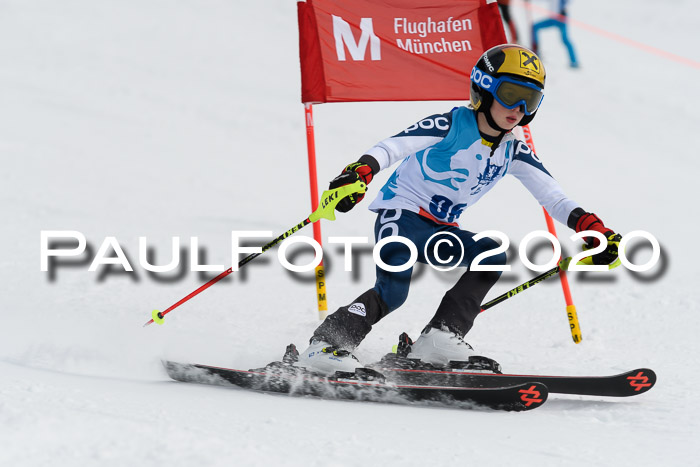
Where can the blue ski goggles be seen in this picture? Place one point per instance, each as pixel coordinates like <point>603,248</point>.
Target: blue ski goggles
<point>510,92</point>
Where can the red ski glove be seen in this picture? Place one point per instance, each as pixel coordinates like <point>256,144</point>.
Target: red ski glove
<point>589,221</point>
<point>360,170</point>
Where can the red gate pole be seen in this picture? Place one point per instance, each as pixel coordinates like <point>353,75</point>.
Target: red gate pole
<point>570,307</point>
<point>313,184</point>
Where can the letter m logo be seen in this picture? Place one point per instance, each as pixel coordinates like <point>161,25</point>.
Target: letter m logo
<point>343,36</point>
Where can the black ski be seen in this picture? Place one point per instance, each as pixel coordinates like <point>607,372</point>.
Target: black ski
<point>363,385</point>
<point>401,369</point>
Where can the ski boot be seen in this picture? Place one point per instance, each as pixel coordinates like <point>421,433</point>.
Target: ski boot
<point>437,349</point>
<point>323,358</point>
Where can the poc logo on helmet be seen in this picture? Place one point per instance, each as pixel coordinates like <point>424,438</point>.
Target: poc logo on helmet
<point>480,78</point>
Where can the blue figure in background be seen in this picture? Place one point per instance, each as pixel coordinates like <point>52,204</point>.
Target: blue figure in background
<point>559,20</point>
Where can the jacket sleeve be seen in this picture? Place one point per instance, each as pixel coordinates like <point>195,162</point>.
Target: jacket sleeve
<point>527,168</point>
<point>418,136</point>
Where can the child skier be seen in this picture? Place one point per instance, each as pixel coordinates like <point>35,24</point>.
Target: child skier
<point>449,162</point>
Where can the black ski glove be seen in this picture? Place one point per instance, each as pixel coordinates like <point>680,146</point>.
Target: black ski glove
<point>364,170</point>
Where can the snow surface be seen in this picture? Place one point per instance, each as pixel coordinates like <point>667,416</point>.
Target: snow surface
<point>183,118</point>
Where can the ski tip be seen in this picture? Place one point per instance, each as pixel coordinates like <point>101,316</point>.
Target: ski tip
<point>640,380</point>
<point>532,395</point>
<point>514,398</point>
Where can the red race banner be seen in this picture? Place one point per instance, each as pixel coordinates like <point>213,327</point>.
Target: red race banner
<point>394,50</point>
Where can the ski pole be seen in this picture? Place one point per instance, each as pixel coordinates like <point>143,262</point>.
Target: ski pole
<point>325,210</point>
<point>563,265</point>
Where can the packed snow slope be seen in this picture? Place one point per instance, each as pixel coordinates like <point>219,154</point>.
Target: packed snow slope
<point>182,119</point>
